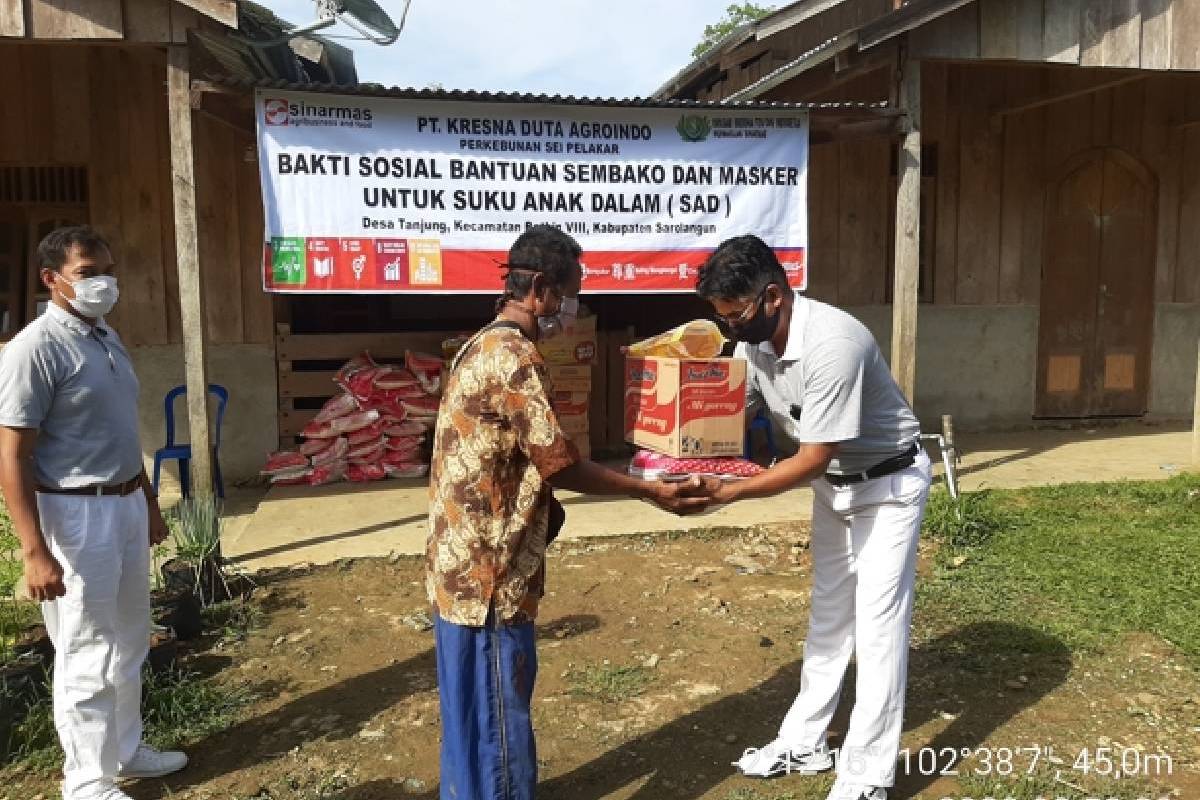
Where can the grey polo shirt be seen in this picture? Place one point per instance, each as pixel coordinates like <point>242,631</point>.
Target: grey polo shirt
<point>75,384</point>
<point>831,385</point>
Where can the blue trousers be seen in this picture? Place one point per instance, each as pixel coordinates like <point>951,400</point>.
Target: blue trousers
<point>485,681</point>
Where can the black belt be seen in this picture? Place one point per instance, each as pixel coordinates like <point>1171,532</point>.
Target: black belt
<point>893,464</point>
<point>121,489</point>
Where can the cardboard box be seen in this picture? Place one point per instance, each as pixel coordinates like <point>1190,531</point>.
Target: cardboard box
<point>686,407</point>
<point>566,403</point>
<point>573,424</point>
<point>576,346</point>
<point>570,378</point>
<point>584,443</point>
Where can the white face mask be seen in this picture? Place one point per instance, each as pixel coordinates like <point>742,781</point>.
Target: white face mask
<point>94,297</point>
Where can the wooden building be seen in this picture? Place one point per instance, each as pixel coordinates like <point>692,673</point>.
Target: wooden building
<point>1057,144</point>
<point>99,98</point>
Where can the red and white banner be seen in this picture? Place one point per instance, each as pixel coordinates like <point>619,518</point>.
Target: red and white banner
<point>371,194</point>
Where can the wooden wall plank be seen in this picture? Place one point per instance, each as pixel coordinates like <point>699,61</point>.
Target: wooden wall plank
<point>142,284</point>
<point>1030,28</point>
<point>1095,22</point>
<point>1068,123</point>
<point>1162,147</point>
<point>1187,267</point>
<point>824,221</point>
<point>12,95</point>
<point>1021,203</point>
<point>171,305</point>
<point>1102,111</point>
<point>1062,31</point>
<point>954,36</point>
<point>998,29</point>
<point>71,102</point>
<point>1185,35</point>
<point>1156,34</point>
<point>258,317</point>
<point>946,240</point>
<point>217,221</point>
<point>1128,117</point>
<point>1033,211</point>
<point>980,183</point>
<point>12,18</point>
<point>38,110</point>
<point>864,210</point>
<point>76,19</point>
<point>105,170</point>
<point>148,20</point>
<point>1123,41</point>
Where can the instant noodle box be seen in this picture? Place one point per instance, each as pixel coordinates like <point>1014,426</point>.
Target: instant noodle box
<point>686,407</point>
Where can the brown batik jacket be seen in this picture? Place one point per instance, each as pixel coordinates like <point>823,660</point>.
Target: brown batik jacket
<point>497,442</point>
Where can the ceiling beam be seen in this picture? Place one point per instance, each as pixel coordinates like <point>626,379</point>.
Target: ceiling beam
<point>223,11</point>
<point>1071,95</point>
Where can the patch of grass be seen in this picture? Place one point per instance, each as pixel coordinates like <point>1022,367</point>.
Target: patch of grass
<point>233,620</point>
<point>1083,562</point>
<point>970,522</point>
<point>610,683</point>
<point>176,708</point>
<point>751,794</point>
<point>1071,786</point>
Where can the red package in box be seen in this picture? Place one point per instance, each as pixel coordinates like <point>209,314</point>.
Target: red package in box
<point>686,407</point>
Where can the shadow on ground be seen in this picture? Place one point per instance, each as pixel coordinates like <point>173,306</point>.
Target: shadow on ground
<point>689,756</point>
<point>335,712</point>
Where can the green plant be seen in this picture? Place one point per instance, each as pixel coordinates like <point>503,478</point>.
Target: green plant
<point>609,683</point>
<point>971,521</point>
<point>196,533</point>
<point>177,708</point>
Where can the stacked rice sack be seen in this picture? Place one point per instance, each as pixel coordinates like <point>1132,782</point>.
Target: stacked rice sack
<point>375,428</point>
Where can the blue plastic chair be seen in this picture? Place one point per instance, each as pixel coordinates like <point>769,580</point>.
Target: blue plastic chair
<point>760,423</point>
<point>183,452</point>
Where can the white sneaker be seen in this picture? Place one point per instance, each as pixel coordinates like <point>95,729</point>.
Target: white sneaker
<point>856,791</point>
<point>150,763</point>
<point>780,758</point>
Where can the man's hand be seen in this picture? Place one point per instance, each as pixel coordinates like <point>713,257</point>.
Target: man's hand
<point>158,526</point>
<point>44,577</point>
<point>686,497</point>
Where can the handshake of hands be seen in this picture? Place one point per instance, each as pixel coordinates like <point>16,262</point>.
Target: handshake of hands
<point>689,496</point>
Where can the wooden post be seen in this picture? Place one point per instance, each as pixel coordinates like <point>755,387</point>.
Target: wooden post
<point>191,286</point>
<point>908,233</point>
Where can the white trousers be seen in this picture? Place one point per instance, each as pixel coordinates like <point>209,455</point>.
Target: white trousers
<point>101,633</point>
<point>864,550</point>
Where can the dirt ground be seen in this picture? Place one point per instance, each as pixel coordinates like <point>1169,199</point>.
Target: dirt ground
<point>661,659</point>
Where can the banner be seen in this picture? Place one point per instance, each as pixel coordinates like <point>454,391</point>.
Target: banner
<point>376,194</point>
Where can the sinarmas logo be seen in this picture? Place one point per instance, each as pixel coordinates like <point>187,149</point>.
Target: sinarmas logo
<point>693,128</point>
<point>275,111</point>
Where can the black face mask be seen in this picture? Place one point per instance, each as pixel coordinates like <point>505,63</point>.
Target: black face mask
<point>759,329</point>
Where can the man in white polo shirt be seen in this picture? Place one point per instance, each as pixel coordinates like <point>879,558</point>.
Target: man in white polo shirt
<point>820,377</point>
<point>72,475</point>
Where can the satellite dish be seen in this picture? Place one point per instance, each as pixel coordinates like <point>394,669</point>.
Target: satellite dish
<point>364,16</point>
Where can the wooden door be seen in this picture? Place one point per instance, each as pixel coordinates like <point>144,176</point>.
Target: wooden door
<point>1097,300</point>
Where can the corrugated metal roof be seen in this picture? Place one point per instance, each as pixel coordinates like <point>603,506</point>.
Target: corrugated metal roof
<point>806,60</point>
<point>378,90</point>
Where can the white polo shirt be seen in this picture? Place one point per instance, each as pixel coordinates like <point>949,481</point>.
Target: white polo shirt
<point>832,384</point>
<point>76,385</point>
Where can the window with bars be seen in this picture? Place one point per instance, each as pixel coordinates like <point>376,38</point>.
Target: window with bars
<point>34,200</point>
